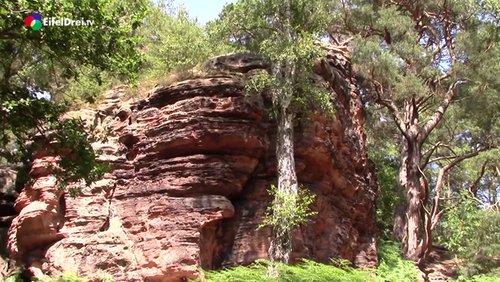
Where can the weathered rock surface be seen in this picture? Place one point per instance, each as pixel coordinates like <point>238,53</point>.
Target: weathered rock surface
<point>190,167</point>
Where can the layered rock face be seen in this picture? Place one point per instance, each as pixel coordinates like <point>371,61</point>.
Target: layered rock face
<point>190,167</point>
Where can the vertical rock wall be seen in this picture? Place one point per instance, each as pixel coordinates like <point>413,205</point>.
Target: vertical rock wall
<point>191,165</point>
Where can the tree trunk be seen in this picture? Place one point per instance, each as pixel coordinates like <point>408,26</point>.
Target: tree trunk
<point>399,226</point>
<point>281,238</point>
<point>281,241</point>
<point>414,198</point>
<point>409,180</point>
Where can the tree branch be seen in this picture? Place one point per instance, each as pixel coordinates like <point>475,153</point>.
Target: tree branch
<point>10,32</point>
<point>474,186</point>
<point>439,182</point>
<point>427,155</point>
<point>466,156</point>
<point>389,104</point>
<point>438,115</point>
<point>441,158</point>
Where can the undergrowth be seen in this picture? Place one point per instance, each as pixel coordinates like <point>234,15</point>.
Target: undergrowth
<point>492,276</point>
<point>308,271</point>
<point>16,276</point>
<point>65,277</point>
<point>391,268</point>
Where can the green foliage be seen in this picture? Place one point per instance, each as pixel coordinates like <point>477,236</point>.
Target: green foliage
<point>288,211</point>
<point>88,88</point>
<point>68,138</point>
<point>65,277</point>
<point>392,267</point>
<point>459,224</point>
<point>108,44</point>
<point>73,277</point>
<point>484,250</point>
<point>384,154</point>
<point>252,25</point>
<point>309,96</point>
<point>43,63</point>
<point>79,162</point>
<point>172,41</point>
<point>307,271</point>
<point>489,277</point>
<point>472,234</point>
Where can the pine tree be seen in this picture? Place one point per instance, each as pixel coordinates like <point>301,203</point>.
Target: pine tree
<point>419,60</point>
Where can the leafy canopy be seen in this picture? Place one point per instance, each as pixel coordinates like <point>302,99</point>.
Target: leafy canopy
<point>259,26</point>
<point>173,41</point>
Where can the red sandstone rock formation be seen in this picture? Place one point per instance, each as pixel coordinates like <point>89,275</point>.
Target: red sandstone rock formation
<point>190,167</point>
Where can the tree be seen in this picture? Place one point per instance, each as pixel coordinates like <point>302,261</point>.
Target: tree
<point>173,41</point>
<point>37,63</point>
<point>417,60</point>
<point>282,32</point>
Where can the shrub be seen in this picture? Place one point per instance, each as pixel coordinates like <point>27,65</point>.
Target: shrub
<point>289,211</point>
<point>88,88</point>
<point>73,277</point>
<point>392,268</point>
<point>473,234</point>
<point>173,41</point>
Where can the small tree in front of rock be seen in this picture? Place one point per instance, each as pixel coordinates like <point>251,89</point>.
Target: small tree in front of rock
<point>285,214</point>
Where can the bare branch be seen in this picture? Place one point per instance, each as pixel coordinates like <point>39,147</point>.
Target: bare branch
<point>427,154</point>
<point>389,104</point>
<point>474,186</point>
<point>466,156</point>
<point>437,159</point>
<point>438,115</point>
<point>440,180</point>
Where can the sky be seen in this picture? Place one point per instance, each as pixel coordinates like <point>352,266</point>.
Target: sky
<point>203,10</point>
